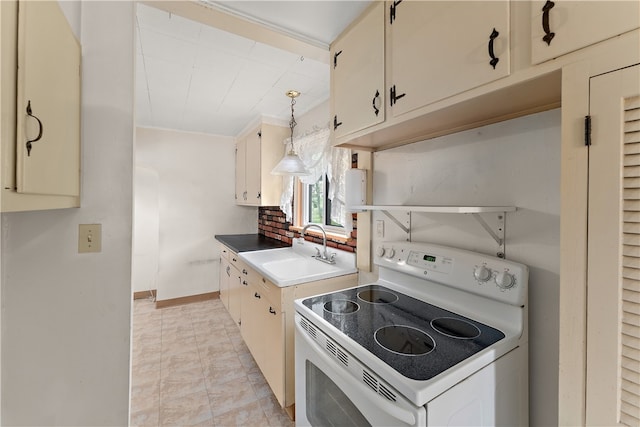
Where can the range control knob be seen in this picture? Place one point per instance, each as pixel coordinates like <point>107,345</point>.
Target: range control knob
<point>482,273</point>
<point>390,253</point>
<point>380,251</point>
<point>505,280</point>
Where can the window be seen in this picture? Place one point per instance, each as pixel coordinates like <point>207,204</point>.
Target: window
<point>314,205</point>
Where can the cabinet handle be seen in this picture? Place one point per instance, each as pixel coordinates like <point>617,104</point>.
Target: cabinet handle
<point>244,271</point>
<point>392,11</point>
<point>234,260</point>
<point>335,122</point>
<point>494,60</point>
<point>259,195</point>
<point>335,59</point>
<point>40,129</point>
<point>376,105</point>
<point>244,282</point>
<point>257,295</point>
<point>272,311</point>
<point>548,35</point>
<point>394,96</point>
<point>228,271</point>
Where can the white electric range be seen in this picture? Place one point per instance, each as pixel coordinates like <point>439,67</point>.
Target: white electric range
<point>439,339</point>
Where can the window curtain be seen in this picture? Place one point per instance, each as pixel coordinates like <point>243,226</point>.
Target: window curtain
<point>315,151</point>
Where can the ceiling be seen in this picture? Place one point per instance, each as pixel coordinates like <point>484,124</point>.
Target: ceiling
<point>194,77</point>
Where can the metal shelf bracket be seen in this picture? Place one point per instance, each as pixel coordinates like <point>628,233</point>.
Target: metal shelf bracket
<point>497,236</point>
<point>406,227</point>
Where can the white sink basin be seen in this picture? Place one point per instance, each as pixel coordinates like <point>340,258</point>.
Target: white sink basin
<point>295,265</point>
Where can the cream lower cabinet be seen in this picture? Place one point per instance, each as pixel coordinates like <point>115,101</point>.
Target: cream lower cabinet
<point>225,277</point>
<point>440,48</point>
<point>231,282</point>
<point>562,26</point>
<point>267,326</point>
<point>262,329</point>
<point>257,153</point>
<point>40,105</point>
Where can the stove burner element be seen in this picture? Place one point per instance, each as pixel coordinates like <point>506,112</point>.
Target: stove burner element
<point>404,340</point>
<point>376,296</point>
<point>455,328</point>
<point>341,306</point>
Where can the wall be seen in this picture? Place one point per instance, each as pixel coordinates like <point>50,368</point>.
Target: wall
<point>196,175</point>
<point>66,316</point>
<point>514,163</point>
<point>146,230</point>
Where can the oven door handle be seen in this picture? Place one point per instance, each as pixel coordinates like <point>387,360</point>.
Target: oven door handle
<point>398,413</point>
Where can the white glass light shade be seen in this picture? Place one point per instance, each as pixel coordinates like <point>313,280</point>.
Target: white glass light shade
<point>290,165</point>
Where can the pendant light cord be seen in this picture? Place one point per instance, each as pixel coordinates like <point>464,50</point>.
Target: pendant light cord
<point>292,123</point>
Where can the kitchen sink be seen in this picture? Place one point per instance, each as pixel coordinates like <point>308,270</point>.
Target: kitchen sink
<point>296,264</point>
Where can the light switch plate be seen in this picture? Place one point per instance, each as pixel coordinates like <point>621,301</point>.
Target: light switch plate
<point>89,238</point>
<point>380,229</point>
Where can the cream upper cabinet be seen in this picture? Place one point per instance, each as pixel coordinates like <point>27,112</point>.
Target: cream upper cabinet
<point>41,116</point>
<point>241,166</point>
<point>357,74</point>
<point>257,153</point>
<point>562,26</point>
<point>441,48</point>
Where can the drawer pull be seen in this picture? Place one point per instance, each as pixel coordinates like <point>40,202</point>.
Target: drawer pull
<point>548,35</point>
<point>257,295</point>
<point>376,105</point>
<point>494,60</point>
<point>37,138</point>
<point>272,311</point>
<point>244,282</point>
<point>244,271</point>
<point>234,260</point>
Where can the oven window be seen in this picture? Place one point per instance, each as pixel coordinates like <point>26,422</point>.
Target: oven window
<point>326,404</point>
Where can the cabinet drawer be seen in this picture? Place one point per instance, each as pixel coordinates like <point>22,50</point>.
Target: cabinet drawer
<point>224,252</point>
<point>269,291</point>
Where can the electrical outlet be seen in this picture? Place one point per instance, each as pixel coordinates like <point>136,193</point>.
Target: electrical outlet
<point>380,228</point>
<point>89,238</point>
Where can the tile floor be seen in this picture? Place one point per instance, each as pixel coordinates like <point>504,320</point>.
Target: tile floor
<point>191,367</point>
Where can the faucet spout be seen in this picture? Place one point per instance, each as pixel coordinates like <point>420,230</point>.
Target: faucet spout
<point>325,256</point>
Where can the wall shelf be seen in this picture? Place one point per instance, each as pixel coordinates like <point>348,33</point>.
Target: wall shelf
<point>475,211</point>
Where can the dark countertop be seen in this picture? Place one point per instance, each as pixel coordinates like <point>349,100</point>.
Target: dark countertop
<point>249,242</point>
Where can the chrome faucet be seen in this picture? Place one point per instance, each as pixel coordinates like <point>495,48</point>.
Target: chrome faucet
<point>324,257</point>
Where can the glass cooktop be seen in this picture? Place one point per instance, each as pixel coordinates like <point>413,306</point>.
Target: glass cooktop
<point>417,339</point>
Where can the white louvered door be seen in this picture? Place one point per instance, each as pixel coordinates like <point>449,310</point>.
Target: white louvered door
<point>613,287</point>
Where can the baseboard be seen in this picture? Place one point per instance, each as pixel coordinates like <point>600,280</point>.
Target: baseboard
<point>144,294</point>
<point>187,300</point>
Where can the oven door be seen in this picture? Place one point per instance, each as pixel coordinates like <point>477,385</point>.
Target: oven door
<point>331,389</point>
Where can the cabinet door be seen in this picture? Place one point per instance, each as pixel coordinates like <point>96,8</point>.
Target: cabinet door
<point>235,294</point>
<point>253,168</point>
<point>613,298</point>
<point>48,102</point>
<point>274,349</point>
<point>241,159</point>
<point>225,278</point>
<point>562,26</point>
<point>251,325</point>
<point>357,74</point>
<point>439,49</point>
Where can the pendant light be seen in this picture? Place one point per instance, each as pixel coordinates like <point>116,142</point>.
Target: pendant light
<point>291,163</point>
